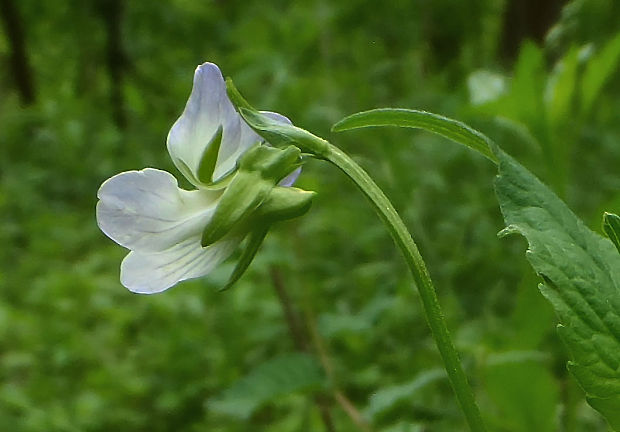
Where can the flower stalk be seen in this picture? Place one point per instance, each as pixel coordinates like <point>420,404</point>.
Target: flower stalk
<point>281,134</point>
<point>409,249</point>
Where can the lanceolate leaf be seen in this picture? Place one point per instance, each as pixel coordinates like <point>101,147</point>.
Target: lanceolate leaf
<point>581,273</point>
<point>449,128</point>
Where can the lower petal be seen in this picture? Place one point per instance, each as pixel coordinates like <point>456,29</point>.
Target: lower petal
<point>150,273</point>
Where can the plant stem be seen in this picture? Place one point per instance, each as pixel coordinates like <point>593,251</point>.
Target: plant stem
<point>416,264</point>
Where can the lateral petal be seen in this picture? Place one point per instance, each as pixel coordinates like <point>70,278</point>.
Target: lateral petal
<point>146,211</point>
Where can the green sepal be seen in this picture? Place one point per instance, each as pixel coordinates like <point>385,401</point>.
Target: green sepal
<point>281,204</point>
<point>281,134</point>
<point>235,97</point>
<point>611,226</point>
<point>276,133</point>
<point>209,158</point>
<point>221,183</point>
<point>244,194</point>
<point>272,163</point>
<point>255,240</point>
<point>285,203</point>
<point>261,168</point>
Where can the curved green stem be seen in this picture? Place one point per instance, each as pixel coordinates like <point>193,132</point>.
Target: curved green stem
<point>416,264</point>
<point>283,134</point>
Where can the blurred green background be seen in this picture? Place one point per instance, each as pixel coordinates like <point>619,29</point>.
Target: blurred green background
<point>325,331</point>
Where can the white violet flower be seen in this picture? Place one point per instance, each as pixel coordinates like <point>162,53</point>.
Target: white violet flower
<point>162,225</point>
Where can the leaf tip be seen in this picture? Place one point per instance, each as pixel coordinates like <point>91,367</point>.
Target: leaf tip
<point>339,126</point>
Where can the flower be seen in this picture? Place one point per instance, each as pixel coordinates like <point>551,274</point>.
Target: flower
<point>161,224</point>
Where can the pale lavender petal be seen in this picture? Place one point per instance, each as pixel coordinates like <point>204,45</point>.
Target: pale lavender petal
<point>290,179</point>
<point>208,109</point>
<point>146,211</point>
<point>150,273</point>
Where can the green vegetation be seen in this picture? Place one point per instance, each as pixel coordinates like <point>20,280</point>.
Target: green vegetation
<point>325,330</point>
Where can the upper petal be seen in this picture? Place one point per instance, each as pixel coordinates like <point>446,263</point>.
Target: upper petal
<point>149,273</point>
<point>146,211</point>
<point>208,109</point>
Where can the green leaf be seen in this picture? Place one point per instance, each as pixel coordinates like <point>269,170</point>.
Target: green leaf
<point>387,397</point>
<point>561,87</point>
<point>533,393</point>
<point>581,273</point>
<point>446,127</point>
<point>611,226</point>
<point>526,102</point>
<point>280,376</point>
<point>600,68</point>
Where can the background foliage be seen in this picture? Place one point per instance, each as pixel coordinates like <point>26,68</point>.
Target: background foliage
<point>325,328</point>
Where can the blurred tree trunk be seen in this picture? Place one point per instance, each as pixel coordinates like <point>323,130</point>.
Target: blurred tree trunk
<point>20,67</point>
<point>111,12</point>
<point>527,19</point>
